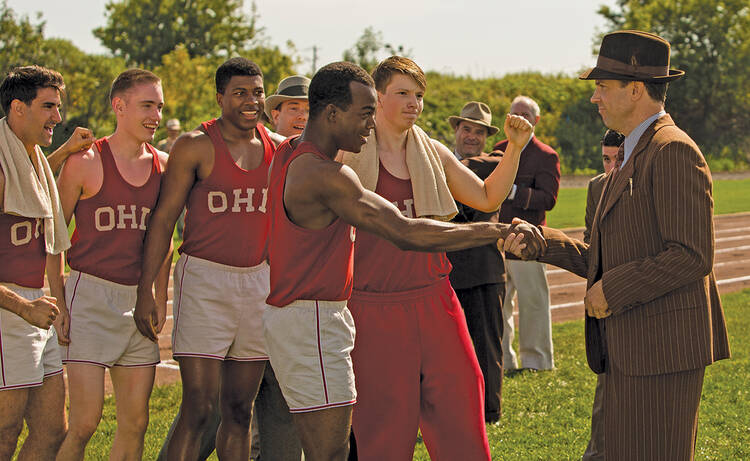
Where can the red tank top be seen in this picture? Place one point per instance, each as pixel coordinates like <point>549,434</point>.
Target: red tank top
<point>381,267</point>
<point>22,254</point>
<point>111,225</point>
<point>305,263</point>
<point>225,220</point>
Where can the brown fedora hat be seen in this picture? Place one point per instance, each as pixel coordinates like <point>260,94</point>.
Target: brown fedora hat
<point>294,87</point>
<point>475,112</point>
<point>633,55</point>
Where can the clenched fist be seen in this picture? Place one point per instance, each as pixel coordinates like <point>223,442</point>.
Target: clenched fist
<point>41,312</point>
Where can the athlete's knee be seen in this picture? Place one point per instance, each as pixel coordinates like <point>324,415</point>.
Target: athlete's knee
<point>81,430</point>
<point>134,425</point>
<point>238,412</point>
<point>199,413</point>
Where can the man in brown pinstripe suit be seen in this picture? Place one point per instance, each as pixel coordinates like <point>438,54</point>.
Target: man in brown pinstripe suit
<point>653,315</point>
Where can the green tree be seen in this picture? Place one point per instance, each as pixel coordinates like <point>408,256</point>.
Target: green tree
<point>711,43</point>
<point>20,39</point>
<point>142,31</point>
<point>370,49</point>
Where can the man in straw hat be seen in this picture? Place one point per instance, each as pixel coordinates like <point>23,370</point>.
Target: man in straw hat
<point>653,315</point>
<point>478,274</point>
<point>288,108</point>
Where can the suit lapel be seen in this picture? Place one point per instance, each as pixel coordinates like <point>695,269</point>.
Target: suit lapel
<point>615,187</point>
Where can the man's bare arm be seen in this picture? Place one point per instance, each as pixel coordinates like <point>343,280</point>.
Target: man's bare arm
<point>81,139</point>
<point>182,168</point>
<point>489,194</point>
<point>337,188</point>
<point>40,312</point>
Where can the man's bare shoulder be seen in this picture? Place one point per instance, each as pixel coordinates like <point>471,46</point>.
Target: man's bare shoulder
<point>442,150</point>
<point>81,163</point>
<point>163,157</point>
<point>192,145</point>
<point>315,174</point>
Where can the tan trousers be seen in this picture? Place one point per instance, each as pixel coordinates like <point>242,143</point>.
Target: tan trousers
<point>529,280</point>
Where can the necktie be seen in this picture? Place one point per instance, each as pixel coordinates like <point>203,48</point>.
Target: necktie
<point>620,157</point>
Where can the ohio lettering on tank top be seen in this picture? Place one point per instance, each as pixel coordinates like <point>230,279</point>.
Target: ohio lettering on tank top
<point>380,266</point>
<point>111,224</point>
<point>22,254</point>
<point>226,218</point>
<point>305,263</point>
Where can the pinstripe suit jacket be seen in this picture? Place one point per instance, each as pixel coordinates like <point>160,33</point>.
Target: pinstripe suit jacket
<point>652,244</point>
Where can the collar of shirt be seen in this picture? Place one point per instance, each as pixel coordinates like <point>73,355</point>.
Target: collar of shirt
<point>527,142</point>
<point>632,139</point>
<point>458,156</point>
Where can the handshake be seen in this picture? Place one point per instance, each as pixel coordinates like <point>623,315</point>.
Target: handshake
<point>523,240</point>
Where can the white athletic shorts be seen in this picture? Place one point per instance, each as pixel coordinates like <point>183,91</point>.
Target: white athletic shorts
<point>218,310</point>
<point>310,344</point>
<point>28,354</point>
<point>102,328</point>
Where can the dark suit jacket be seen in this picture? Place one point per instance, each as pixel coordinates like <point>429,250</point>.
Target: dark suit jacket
<point>480,265</point>
<point>652,246</point>
<point>537,182</point>
<point>593,194</point>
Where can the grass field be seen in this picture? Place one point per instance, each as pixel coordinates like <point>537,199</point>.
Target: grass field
<point>730,196</point>
<point>546,415</point>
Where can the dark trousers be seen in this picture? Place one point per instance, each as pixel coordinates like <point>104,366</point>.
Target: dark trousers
<point>483,310</point>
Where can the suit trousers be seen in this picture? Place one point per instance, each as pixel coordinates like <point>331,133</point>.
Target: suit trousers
<point>529,280</point>
<point>649,418</point>
<point>595,449</point>
<point>483,312</point>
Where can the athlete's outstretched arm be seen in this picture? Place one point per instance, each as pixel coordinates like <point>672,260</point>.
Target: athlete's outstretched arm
<point>181,171</point>
<point>489,194</point>
<point>338,188</point>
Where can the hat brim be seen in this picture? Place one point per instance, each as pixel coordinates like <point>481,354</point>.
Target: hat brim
<point>598,73</point>
<point>455,120</point>
<point>273,101</point>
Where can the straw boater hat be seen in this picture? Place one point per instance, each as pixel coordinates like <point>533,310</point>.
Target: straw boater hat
<point>633,55</point>
<point>475,112</point>
<point>294,87</point>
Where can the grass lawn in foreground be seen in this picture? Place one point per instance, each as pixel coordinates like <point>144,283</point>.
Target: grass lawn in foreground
<point>546,415</point>
<point>730,196</point>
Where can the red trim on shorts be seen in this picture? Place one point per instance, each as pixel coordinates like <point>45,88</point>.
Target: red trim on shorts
<point>20,386</point>
<point>86,362</point>
<point>322,407</point>
<point>70,308</point>
<point>58,372</point>
<point>246,359</point>
<point>2,359</point>
<point>320,351</point>
<point>198,355</point>
<point>179,300</point>
<point>141,365</point>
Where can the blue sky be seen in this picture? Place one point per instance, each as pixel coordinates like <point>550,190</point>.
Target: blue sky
<point>481,38</point>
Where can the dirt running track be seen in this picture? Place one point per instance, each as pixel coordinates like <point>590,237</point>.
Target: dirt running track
<point>731,265</point>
